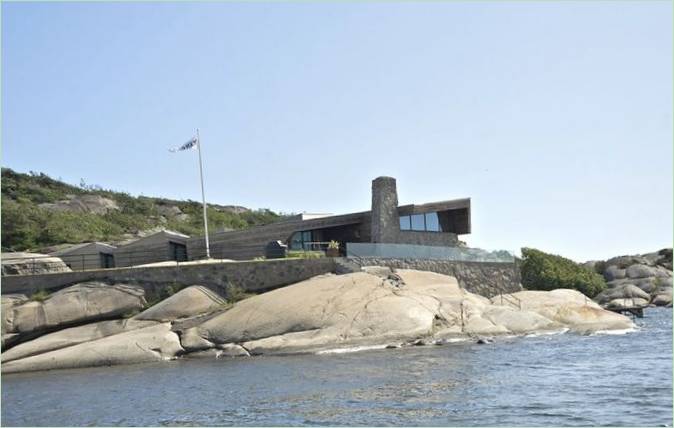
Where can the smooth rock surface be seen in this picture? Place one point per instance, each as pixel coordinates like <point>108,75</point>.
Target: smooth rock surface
<point>185,303</point>
<point>31,264</point>
<point>148,344</point>
<point>569,308</point>
<point>663,297</point>
<point>77,304</point>
<point>72,336</point>
<point>8,301</point>
<point>360,308</point>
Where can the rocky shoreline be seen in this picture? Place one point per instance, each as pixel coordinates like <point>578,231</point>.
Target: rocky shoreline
<point>94,324</point>
<point>636,281</point>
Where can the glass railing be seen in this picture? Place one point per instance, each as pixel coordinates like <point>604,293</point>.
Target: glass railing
<point>408,251</point>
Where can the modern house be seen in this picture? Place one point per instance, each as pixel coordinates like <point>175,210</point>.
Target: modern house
<point>433,224</point>
<point>90,255</point>
<point>162,246</point>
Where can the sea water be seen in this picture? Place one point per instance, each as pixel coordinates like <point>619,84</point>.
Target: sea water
<point>561,380</point>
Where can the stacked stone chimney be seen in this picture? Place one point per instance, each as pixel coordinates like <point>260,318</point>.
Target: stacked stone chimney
<point>385,222</point>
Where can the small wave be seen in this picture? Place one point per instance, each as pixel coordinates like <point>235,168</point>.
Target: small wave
<point>548,333</point>
<point>456,340</point>
<point>349,350</point>
<point>614,332</point>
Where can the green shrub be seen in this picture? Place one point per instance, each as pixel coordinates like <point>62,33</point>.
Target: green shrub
<point>39,296</point>
<point>236,293</point>
<point>600,267</point>
<point>542,271</point>
<point>299,254</point>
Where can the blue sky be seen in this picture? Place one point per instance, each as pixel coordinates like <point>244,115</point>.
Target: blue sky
<point>554,117</point>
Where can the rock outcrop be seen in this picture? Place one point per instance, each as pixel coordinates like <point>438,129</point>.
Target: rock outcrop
<point>361,308</point>
<point>73,336</point>
<point>31,264</point>
<point>623,296</point>
<point>188,302</point>
<point>77,304</point>
<point>651,273</point>
<point>155,343</point>
<point>94,204</point>
<point>379,307</point>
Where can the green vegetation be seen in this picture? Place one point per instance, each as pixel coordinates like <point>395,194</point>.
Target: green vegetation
<point>236,293</point>
<point>543,271</point>
<point>163,293</point>
<point>27,226</point>
<point>300,254</point>
<point>39,296</point>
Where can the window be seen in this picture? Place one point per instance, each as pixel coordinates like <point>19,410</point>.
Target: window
<point>418,222</point>
<point>301,240</point>
<point>432,223</point>
<point>427,222</point>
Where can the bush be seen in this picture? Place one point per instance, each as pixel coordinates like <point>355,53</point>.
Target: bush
<point>300,254</point>
<point>236,293</point>
<point>542,271</point>
<point>39,296</point>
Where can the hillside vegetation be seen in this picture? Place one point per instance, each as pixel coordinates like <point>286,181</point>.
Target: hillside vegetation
<point>39,211</point>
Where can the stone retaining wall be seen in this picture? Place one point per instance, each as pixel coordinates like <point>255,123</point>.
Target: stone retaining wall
<point>252,276</point>
<point>484,278</point>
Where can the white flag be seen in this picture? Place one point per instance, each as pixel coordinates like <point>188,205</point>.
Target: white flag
<point>187,146</point>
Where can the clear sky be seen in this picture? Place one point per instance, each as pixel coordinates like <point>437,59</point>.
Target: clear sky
<point>554,117</point>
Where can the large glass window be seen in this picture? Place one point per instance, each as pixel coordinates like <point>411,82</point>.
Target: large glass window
<point>421,222</point>
<point>432,223</point>
<point>405,222</point>
<point>301,240</point>
<point>418,222</point>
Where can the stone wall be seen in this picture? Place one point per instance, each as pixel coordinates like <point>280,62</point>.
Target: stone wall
<point>253,276</point>
<point>485,278</point>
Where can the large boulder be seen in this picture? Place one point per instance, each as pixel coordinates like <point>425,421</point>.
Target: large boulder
<point>640,271</point>
<point>569,308</point>
<point>31,264</point>
<point>187,302</point>
<point>155,343</point>
<point>625,303</point>
<point>77,304</point>
<point>72,336</point>
<point>366,309</point>
<point>614,272</point>
<point>625,261</point>
<point>8,301</point>
<point>663,297</point>
<point>622,292</point>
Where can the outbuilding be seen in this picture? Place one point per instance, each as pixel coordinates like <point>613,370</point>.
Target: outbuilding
<point>89,255</point>
<point>162,246</point>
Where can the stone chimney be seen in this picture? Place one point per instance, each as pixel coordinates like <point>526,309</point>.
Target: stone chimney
<point>385,222</point>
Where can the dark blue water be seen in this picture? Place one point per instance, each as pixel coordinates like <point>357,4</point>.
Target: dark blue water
<point>547,380</point>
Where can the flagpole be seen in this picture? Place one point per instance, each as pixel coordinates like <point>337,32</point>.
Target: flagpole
<point>203,196</point>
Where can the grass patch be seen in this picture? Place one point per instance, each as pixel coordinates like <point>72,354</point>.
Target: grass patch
<point>39,296</point>
<point>298,254</point>
<point>236,293</point>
